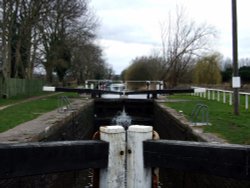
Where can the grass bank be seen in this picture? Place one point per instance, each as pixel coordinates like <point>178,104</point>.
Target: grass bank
<point>235,129</point>
<point>20,113</point>
<point>13,100</point>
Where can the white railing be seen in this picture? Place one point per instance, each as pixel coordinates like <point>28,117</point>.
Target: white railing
<point>220,95</point>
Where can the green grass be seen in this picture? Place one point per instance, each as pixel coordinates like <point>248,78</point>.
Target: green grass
<point>20,113</point>
<point>235,129</point>
<point>4,102</point>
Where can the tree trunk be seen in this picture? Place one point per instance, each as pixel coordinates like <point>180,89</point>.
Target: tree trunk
<point>49,73</point>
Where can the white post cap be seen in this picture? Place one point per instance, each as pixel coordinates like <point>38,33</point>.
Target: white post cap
<point>140,128</point>
<point>112,129</point>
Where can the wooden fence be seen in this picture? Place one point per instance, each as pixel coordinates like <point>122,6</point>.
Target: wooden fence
<point>13,87</point>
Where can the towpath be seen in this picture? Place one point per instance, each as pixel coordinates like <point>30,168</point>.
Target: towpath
<point>28,100</point>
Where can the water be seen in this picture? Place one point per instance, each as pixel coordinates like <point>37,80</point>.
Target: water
<point>122,119</point>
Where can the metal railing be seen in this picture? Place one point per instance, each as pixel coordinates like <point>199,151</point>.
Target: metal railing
<point>64,104</point>
<point>200,115</point>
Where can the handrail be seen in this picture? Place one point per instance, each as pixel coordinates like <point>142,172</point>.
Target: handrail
<point>64,104</point>
<point>196,112</point>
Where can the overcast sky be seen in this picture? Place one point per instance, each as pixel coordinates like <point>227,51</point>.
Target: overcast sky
<point>131,28</point>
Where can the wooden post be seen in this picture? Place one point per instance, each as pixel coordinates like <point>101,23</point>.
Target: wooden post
<point>137,174</point>
<point>205,94</point>
<point>86,85</point>
<point>235,56</point>
<point>91,86</point>
<point>231,99</point>
<point>114,174</point>
<point>218,96</point>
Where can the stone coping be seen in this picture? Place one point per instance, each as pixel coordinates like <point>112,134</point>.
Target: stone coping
<point>46,124</point>
<point>197,131</point>
<point>43,126</point>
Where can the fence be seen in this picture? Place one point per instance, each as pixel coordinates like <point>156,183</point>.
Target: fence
<point>13,87</point>
<point>224,96</point>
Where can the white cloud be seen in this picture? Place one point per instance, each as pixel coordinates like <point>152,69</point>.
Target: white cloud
<point>121,53</point>
<point>131,28</point>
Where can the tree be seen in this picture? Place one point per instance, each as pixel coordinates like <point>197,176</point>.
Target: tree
<point>87,62</point>
<point>207,70</point>
<point>44,32</point>
<point>56,30</point>
<point>144,68</point>
<point>244,73</point>
<point>182,41</point>
<point>18,22</point>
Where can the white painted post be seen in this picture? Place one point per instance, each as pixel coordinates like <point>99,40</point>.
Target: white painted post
<point>205,94</point>
<point>92,86</point>
<point>158,88</point>
<point>86,85</point>
<point>213,95</point>
<point>246,101</point>
<point>137,174</point>
<point>218,96</point>
<point>161,85</point>
<point>209,94</point>
<point>231,99</point>
<point>114,174</point>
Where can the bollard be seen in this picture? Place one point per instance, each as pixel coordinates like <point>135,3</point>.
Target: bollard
<point>114,175</point>
<point>125,163</point>
<point>137,174</point>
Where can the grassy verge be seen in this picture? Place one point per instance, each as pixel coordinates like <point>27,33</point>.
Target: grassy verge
<point>235,129</point>
<point>12,100</point>
<point>20,113</point>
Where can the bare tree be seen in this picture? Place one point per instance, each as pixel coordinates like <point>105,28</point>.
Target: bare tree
<point>144,68</point>
<point>18,21</point>
<point>67,23</point>
<point>182,40</point>
<point>47,32</point>
<point>87,62</point>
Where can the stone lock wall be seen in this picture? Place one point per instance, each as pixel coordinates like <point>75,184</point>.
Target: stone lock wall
<point>172,125</point>
<point>54,126</point>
